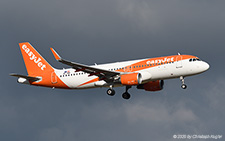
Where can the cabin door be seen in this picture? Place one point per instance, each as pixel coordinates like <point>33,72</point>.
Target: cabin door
<point>53,78</point>
<point>179,62</point>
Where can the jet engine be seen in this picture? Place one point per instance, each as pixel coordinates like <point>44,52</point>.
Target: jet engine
<point>152,85</point>
<point>131,79</point>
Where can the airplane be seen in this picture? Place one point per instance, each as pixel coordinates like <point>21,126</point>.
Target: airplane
<point>146,74</point>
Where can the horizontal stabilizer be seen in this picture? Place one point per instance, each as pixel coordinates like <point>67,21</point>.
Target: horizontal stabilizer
<point>30,78</point>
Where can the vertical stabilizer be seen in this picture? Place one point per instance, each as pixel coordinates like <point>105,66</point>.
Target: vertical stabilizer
<point>39,69</point>
<point>36,65</point>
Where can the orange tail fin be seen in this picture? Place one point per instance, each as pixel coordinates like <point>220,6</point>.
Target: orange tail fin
<point>36,65</point>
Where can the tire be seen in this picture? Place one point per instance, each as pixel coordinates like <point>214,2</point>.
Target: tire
<point>183,86</point>
<point>110,92</point>
<point>126,95</point>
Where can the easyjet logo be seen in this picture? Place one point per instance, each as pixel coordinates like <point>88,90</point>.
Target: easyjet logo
<point>33,57</point>
<point>164,60</point>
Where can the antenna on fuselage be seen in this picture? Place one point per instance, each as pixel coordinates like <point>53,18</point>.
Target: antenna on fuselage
<point>178,53</point>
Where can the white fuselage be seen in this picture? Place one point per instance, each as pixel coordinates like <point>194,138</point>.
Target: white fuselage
<point>165,70</point>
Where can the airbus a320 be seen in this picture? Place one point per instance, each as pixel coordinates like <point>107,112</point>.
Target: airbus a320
<point>147,74</point>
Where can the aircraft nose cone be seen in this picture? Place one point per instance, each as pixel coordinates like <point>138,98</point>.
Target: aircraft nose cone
<point>205,66</point>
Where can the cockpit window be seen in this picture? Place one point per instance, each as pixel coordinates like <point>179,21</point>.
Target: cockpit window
<point>194,59</point>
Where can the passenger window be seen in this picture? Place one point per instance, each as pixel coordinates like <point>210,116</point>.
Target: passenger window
<point>194,59</point>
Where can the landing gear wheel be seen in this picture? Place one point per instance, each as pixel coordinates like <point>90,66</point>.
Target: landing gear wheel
<point>183,86</point>
<point>126,95</point>
<point>111,92</point>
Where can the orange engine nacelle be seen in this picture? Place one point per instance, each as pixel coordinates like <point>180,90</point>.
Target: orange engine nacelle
<point>152,85</point>
<point>131,79</point>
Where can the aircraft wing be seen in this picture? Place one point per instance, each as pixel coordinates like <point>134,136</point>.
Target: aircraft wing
<point>101,73</point>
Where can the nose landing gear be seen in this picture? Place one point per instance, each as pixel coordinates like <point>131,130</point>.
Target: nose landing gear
<point>183,86</point>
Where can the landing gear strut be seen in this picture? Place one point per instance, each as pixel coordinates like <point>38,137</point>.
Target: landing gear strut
<point>110,91</point>
<point>183,86</point>
<point>126,95</point>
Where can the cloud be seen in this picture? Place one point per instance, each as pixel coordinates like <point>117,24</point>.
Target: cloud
<point>216,95</point>
<point>109,31</point>
<point>141,14</point>
<point>52,134</point>
<point>159,113</point>
<point>102,120</point>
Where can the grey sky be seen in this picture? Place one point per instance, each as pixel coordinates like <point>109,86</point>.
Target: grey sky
<point>103,31</point>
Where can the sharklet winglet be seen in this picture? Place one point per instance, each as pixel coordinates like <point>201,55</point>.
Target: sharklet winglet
<point>56,55</point>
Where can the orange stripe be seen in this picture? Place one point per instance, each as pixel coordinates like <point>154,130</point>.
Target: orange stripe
<point>161,60</point>
<point>145,62</point>
<point>47,81</point>
<point>88,82</point>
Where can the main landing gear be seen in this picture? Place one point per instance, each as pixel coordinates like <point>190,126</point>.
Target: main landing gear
<point>110,91</point>
<point>125,95</point>
<point>183,86</point>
